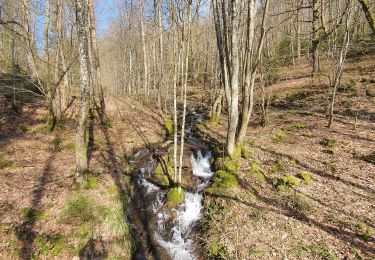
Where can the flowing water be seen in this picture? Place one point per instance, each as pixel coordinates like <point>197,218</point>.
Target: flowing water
<point>169,232</point>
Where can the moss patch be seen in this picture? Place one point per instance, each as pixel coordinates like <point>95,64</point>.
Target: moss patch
<point>174,197</point>
<point>305,177</point>
<point>231,165</point>
<point>285,181</point>
<point>223,179</point>
<point>92,182</point>
<point>168,125</point>
<point>327,142</point>
<point>256,171</point>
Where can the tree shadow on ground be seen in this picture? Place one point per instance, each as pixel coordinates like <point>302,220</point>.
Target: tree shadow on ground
<point>25,231</point>
<point>94,249</point>
<point>287,210</point>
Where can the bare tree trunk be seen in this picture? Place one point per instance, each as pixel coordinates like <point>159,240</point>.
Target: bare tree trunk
<point>81,144</point>
<point>186,49</point>
<point>248,103</point>
<point>340,66</point>
<point>97,78</point>
<point>161,81</point>
<point>315,38</point>
<point>29,42</point>
<point>145,61</point>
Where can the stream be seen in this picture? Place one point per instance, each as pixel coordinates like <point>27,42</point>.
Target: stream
<point>162,232</point>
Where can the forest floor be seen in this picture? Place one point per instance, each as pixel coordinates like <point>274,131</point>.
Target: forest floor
<point>43,214</point>
<point>329,215</point>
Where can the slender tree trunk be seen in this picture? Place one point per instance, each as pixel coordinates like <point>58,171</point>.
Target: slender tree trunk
<point>248,103</point>
<point>81,143</point>
<point>145,61</point>
<point>340,66</point>
<point>97,78</point>
<point>29,42</point>
<point>184,92</point>
<point>315,38</point>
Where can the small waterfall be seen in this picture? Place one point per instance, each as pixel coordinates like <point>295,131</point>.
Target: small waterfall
<point>173,234</point>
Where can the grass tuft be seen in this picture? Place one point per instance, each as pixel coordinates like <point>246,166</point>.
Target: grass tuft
<point>278,137</point>
<point>79,209</point>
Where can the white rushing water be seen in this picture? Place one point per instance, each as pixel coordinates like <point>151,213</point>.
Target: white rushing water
<point>178,244</point>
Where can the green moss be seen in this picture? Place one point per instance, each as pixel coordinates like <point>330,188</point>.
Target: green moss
<point>327,142</point>
<point>290,180</point>
<point>365,232</point>
<point>223,179</point>
<point>305,176</point>
<point>92,182</point>
<point>159,170</point>
<point>231,166</point>
<point>295,127</point>
<point>3,162</point>
<point>279,166</point>
<point>70,146</point>
<point>278,137</point>
<point>79,209</point>
<point>24,128</point>
<point>285,182</point>
<point>168,125</point>
<point>246,153</point>
<point>256,171</point>
<point>174,197</point>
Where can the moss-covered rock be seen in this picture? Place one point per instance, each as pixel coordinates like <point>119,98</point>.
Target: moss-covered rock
<point>174,197</point>
<point>305,177</point>
<point>285,181</point>
<point>290,180</point>
<point>223,179</point>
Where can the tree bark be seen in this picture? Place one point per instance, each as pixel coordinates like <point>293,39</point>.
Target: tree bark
<point>84,69</point>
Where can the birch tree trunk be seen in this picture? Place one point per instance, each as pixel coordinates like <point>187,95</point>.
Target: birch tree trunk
<point>186,49</point>
<point>145,61</point>
<point>84,69</point>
